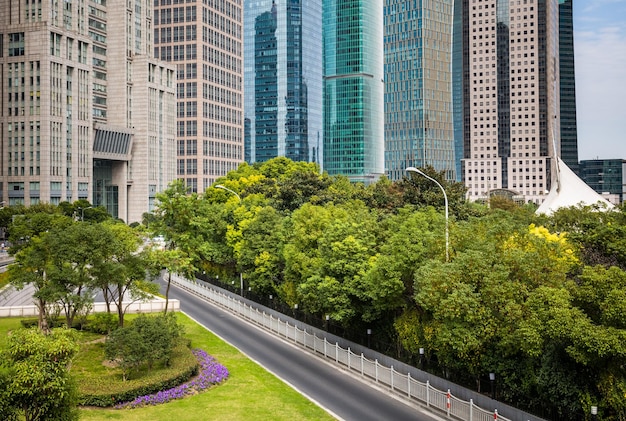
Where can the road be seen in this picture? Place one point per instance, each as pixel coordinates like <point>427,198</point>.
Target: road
<point>338,392</point>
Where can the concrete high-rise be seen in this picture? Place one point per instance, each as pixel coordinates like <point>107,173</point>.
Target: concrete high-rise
<point>419,128</point>
<point>283,80</point>
<point>88,112</point>
<point>353,89</point>
<point>510,96</point>
<point>204,40</point>
<point>569,128</point>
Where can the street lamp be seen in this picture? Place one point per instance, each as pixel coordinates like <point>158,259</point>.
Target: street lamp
<point>82,213</point>
<point>492,380</point>
<point>219,186</point>
<point>369,338</point>
<point>445,198</point>
<point>594,413</point>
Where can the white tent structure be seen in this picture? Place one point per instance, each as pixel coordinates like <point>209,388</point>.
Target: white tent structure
<point>569,190</point>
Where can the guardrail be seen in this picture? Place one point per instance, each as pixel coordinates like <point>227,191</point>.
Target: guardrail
<point>402,385</point>
<point>153,306</point>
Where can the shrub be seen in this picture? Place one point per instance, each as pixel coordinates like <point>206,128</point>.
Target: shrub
<point>148,340</point>
<point>102,323</point>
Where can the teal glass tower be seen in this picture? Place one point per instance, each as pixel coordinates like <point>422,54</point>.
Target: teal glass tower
<point>419,129</point>
<point>283,80</point>
<point>353,89</point>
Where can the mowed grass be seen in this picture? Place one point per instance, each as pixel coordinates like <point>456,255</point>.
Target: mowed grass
<point>250,392</point>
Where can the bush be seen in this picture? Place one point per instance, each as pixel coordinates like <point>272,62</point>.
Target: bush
<point>148,340</point>
<point>102,323</point>
<point>53,322</point>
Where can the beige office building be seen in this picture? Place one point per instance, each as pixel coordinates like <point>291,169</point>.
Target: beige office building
<point>204,40</point>
<point>510,97</point>
<point>87,112</point>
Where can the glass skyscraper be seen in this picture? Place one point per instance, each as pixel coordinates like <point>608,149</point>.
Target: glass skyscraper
<point>419,128</point>
<point>283,80</point>
<point>353,89</point>
<point>569,133</point>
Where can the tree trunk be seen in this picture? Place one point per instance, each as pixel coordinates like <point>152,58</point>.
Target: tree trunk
<point>43,317</point>
<point>167,290</point>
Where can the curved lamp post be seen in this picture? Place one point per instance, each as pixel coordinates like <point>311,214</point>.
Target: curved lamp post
<point>445,198</point>
<point>82,213</point>
<point>219,186</point>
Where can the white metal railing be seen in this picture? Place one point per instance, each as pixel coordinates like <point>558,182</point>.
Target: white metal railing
<point>152,306</point>
<point>403,385</point>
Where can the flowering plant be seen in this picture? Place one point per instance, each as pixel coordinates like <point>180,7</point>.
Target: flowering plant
<point>211,372</point>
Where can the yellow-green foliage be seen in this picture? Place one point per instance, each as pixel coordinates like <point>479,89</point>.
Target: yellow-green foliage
<point>4,279</point>
<point>540,255</point>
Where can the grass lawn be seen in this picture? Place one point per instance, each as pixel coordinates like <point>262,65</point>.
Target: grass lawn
<point>250,393</point>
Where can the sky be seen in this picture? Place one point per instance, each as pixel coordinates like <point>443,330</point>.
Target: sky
<point>600,66</point>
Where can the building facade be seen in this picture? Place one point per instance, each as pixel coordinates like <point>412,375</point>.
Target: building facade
<point>283,80</point>
<point>606,176</point>
<point>353,89</point>
<point>83,119</point>
<point>569,128</point>
<point>510,96</point>
<point>419,129</point>
<point>204,40</point>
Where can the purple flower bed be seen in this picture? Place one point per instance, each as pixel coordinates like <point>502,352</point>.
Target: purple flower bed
<point>211,372</point>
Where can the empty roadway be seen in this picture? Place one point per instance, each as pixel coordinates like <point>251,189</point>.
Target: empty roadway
<point>340,393</point>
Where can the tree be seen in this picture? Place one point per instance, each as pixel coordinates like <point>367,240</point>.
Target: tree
<point>148,340</point>
<point>174,261</point>
<point>326,258</point>
<point>260,255</point>
<point>31,266</point>
<point>76,250</point>
<point>37,383</point>
<point>123,270</point>
<point>601,235</point>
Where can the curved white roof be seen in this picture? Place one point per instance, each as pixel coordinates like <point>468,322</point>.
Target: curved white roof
<point>569,190</point>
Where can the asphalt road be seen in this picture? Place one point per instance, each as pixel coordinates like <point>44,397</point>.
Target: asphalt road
<point>341,394</point>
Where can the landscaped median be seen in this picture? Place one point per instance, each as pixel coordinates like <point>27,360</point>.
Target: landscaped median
<point>249,392</point>
<point>101,385</point>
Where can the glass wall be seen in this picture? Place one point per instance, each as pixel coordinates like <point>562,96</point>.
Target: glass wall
<point>283,80</point>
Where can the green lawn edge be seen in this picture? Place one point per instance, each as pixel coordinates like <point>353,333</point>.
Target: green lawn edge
<point>250,393</point>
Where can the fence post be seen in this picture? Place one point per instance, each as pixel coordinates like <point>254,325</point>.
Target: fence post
<point>349,353</point>
<point>337,352</point>
<point>362,364</point>
<point>408,388</point>
<point>376,363</point>
<point>471,410</point>
<point>391,375</point>
<point>448,402</point>
<point>427,393</point>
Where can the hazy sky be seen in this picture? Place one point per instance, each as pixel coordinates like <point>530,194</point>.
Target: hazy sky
<point>600,64</point>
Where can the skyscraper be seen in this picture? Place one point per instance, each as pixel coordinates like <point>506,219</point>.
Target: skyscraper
<point>353,89</point>
<point>569,132</point>
<point>419,128</point>
<point>510,96</point>
<point>88,110</point>
<point>204,39</point>
<point>283,80</point>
